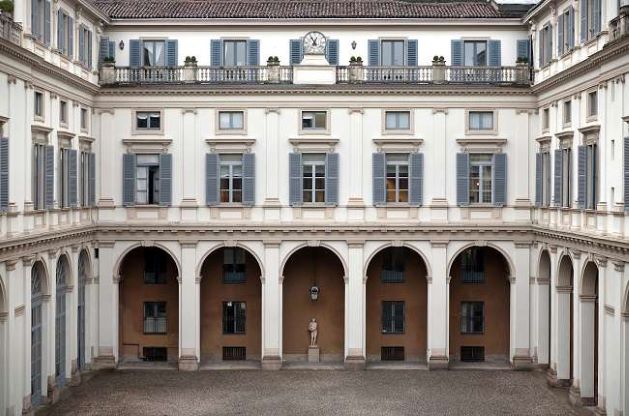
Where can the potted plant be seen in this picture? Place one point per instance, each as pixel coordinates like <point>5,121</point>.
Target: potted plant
<point>190,69</point>
<point>273,68</point>
<point>108,70</point>
<point>6,6</point>
<point>356,70</point>
<point>438,68</point>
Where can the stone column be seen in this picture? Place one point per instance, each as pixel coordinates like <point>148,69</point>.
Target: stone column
<point>48,331</point>
<point>601,144</point>
<point>356,160</point>
<point>355,304</point>
<point>438,307</point>
<point>190,156</point>
<point>72,301</point>
<point>189,308</point>
<point>12,330</point>
<point>525,158</point>
<point>438,184</point>
<point>272,171</point>
<point>543,327</point>
<point>107,347</point>
<point>583,394</point>
<point>563,336</point>
<point>27,267</point>
<point>520,307</point>
<point>107,153</point>
<point>27,144</point>
<point>271,307</point>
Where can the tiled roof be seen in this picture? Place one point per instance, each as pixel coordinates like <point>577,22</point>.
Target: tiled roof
<point>300,9</point>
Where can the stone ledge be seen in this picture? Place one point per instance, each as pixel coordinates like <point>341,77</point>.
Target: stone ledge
<point>271,362</point>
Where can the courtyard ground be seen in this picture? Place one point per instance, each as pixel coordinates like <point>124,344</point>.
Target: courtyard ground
<point>324,392</point>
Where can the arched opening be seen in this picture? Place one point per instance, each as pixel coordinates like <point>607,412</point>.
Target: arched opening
<point>397,305</point>
<point>149,306</point>
<point>83,273</point>
<point>479,306</point>
<point>544,310</point>
<point>62,280</point>
<point>565,322</point>
<point>38,291</point>
<point>231,306</point>
<point>589,335</point>
<point>3,348</point>
<point>307,269</point>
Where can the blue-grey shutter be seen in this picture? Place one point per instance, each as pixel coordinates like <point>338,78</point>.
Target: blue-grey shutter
<point>216,52</point>
<point>596,18</point>
<point>70,29</point>
<point>89,49</point>
<point>416,177</point>
<point>332,179</point>
<point>373,46</point>
<point>248,178</point>
<point>560,37</point>
<point>558,176</point>
<point>91,192</point>
<point>81,44</point>
<point>34,19</point>
<point>49,177</point>
<point>60,37</point>
<point>523,49</point>
<point>582,162</point>
<point>103,49</point>
<point>4,174</point>
<point>112,49</point>
<point>626,172</point>
<point>165,179</point>
<point>570,40</point>
<point>253,52</point>
<point>500,179</point>
<point>456,50</point>
<point>295,193</point>
<point>47,23</point>
<point>495,53</point>
<point>296,51</point>
<point>539,160</point>
<point>332,51</point>
<point>134,53</point>
<point>72,177</point>
<point>583,12</point>
<point>412,52</point>
<point>212,188</point>
<point>462,179</point>
<point>128,179</point>
<point>172,49</point>
<point>378,168</point>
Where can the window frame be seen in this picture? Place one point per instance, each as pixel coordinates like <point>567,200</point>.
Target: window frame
<point>567,113</point>
<point>63,113</point>
<point>592,176</point>
<point>393,266</point>
<point>232,304</point>
<point>235,42</point>
<point>475,43</point>
<point>469,318</point>
<point>84,119</point>
<point>88,39</point>
<point>547,174</point>
<point>148,130</point>
<point>314,130</point>
<point>545,119</point>
<point>397,130</point>
<point>389,160</point>
<point>159,265</point>
<point>231,165</point>
<point>155,172</point>
<point>481,178</point>
<point>143,42</point>
<point>546,56</point>
<point>37,30</point>
<point>84,182</point>
<point>66,47</point>
<point>392,41</point>
<point>221,130</point>
<point>494,121</point>
<point>477,268</point>
<point>63,183</point>
<point>38,191</point>
<point>591,105</point>
<point>236,267</point>
<point>566,177</point>
<point>313,190</point>
<point>39,115</point>
<point>155,306</point>
<point>390,328</point>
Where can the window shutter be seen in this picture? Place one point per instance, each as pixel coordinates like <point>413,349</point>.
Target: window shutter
<point>412,52</point>
<point>253,52</point>
<point>570,40</point>
<point>216,52</point>
<point>378,166</point>
<point>72,177</point>
<point>332,179</point>
<point>373,46</point>
<point>416,185</point>
<point>103,49</point>
<point>538,179</point>
<point>295,192</point>
<point>47,23</point>
<point>558,177</point>
<point>462,179</point>
<point>560,35</point>
<point>70,29</point>
<point>128,179</point>
<point>34,19</point>
<point>81,44</point>
<point>212,189</point>
<point>112,49</point>
<point>249,178</point>
<point>49,178</point>
<point>332,52</point>
<point>60,37</point>
<point>495,53</point>
<point>626,169</point>
<point>89,49</point>
<point>456,50</point>
<point>596,18</point>
<point>584,19</point>
<point>172,49</point>
<point>165,179</point>
<point>91,193</point>
<point>500,179</point>
<point>4,174</point>
<point>581,176</point>
<point>296,51</point>
<point>523,47</point>
<point>134,53</point>
<point>540,55</point>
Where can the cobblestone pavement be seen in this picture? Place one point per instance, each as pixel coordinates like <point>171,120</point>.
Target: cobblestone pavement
<point>294,392</point>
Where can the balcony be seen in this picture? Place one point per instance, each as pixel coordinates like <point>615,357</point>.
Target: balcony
<point>619,26</point>
<point>10,30</point>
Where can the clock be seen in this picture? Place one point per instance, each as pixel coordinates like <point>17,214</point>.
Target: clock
<point>314,43</point>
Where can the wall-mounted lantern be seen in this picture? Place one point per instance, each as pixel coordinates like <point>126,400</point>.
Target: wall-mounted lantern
<point>121,45</point>
<point>353,45</point>
<point>314,292</point>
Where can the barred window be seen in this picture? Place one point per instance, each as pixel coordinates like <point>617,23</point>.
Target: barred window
<point>393,265</point>
<point>234,265</point>
<point>393,317</point>
<point>154,317</point>
<point>472,266</point>
<point>154,266</point>
<point>234,317</point>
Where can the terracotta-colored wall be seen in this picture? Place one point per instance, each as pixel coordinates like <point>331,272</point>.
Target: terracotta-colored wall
<point>214,292</point>
<point>495,293</point>
<point>413,292</point>
<point>305,267</point>
<point>133,294</point>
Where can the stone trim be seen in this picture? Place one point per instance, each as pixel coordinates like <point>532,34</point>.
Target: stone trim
<point>609,310</point>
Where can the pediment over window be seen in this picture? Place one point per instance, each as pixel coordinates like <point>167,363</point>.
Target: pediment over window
<point>147,144</point>
<point>314,144</point>
<point>593,129</point>
<point>482,144</point>
<point>40,134</point>
<point>238,144</point>
<point>398,144</point>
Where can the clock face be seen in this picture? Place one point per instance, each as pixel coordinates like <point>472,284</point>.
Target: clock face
<point>314,43</point>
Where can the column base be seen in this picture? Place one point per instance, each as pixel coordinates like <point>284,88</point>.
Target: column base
<point>438,362</point>
<point>522,363</point>
<point>104,362</point>
<point>75,379</point>
<point>355,362</point>
<point>355,202</point>
<point>553,381</point>
<point>188,363</point>
<point>27,406</point>
<point>52,395</point>
<point>271,362</point>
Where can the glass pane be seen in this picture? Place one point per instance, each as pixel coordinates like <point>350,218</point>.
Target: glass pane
<point>229,52</point>
<point>241,53</point>
<point>481,54</point>
<point>387,53</point>
<point>320,196</point>
<point>320,120</point>
<point>398,53</point>
<point>469,54</point>
<point>159,54</point>
<point>307,195</point>
<point>224,120</point>
<point>237,120</point>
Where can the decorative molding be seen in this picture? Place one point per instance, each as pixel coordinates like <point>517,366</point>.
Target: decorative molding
<point>314,144</point>
<point>230,144</point>
<point>488,144</point>
<point>151,144</point>
<point>19,310</point>
<point>398,144</point>
<point>609,310</point>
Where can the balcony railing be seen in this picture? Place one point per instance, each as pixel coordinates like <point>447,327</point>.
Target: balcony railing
<point>10,30</point>
<point>619,26</point>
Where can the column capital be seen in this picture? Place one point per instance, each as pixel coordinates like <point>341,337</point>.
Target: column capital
<point>355,243</point>
<point>105,244</point>
<point>10,265</point>
<point>271,243</point>
<point>188,244</point>
<point>575,253</point>
<point>523,244</point>
<point>439,244</point>
<point>52,254</point>
<point>619,266</point>
<point>27,261</point>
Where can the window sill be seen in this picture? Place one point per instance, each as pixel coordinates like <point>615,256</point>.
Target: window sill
<point>231,132</point>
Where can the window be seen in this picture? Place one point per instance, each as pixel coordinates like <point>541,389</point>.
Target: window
<point>145,120</point>
<point>314,178</point>
<point>314,120</point>
<point>591,11</point>
<point>473,266</point>
<point>392,317</point>
<point>155,268</point>
<point>40,8</point>
<point>567,112</point>
<point>545,45</point>
<point>475,53</point>
<point>234,265</point>
<point>234,52</point>
<point>392,53</point>
<point>85,46</point>
<point>231,120</point>
<point>591,176</point>
<point>565,31</point>
<point>64,33</point>
<point>63,112</point>
<point>153,53</point>
<point>147,179</point>
<point>480,178</point>
<point>397,178</point>
<point>546,178</point>
<point>84,119</point>
<point>393,260</point>
<point>231,178</point>
<point>545,119</point>
<point>39,179</point>
<point>592,104</point>
<point>39,104</point>
<point>397,120</point>
<point>84,186</point>
<point>234,317</point>
<point>481,120</point>
<point>472,317</point>
<point>155,318</point>
<point>64,178</point>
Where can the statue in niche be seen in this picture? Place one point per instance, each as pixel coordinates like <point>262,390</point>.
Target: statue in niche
<point>314,332</point>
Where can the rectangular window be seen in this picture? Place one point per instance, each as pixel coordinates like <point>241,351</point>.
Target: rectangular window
<point>393,317</point>
<point>231,178</point>
<point>591,177</point>
<point>473,266</point>
<point>64,40</point>
<point>481,120</point>
<point>85,46</point>
<point>234,317</point>
<point>84,119</point>
<point>567,112</point>
<point>566,166</point>
<point>147,179</point>
<point>393,261</point>
<point>397,177</point>
<point>234,265</point>
<point>63,112</point>
<point>545,119</point>
<point>155,268</point>
<point>153,53</point>
<point>480,178</point>
<point>313,178</point>
<point>234,52</point>
<point>545,45</point>
<point>39,179</point>
<point>397,120</point>
<point>546,178</point>
<point>84,186</point>
<point>147,120</point>
<point>231,120</point>
<point>314,120</point>
<point>472,317</point>
<point>475,53</point>
<point>39,104</point>
<point>567,32</point>
<point>155,318</point>
<point>392,53</point>
<point>593,13</point>
<point>592,104</point>
<point>64,185</point>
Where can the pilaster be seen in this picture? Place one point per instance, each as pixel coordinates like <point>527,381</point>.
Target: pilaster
<point>271,308</point>
<point>108,294</point>
<point>189,303</point>
<point>438,307</point>
<point>355,294</point>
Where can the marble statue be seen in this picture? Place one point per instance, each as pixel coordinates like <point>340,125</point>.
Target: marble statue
<point>314,332</point>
